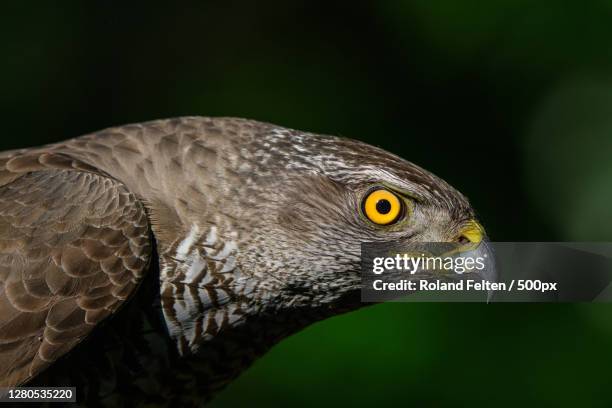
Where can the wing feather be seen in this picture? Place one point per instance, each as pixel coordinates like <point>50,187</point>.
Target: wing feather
<point>74,244</point>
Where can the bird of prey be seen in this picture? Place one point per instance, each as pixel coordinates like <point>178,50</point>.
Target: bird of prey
<point>152,263</point>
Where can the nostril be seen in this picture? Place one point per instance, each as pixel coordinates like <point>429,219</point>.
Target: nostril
<point>463,240</point>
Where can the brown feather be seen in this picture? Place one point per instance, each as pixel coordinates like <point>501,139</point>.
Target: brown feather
<point>73,246</point>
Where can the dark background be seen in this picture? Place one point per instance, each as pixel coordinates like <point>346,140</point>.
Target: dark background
<point>510,101</point>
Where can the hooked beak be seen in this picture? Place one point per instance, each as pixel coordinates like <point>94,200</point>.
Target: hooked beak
<point>477,245</point>
<point>472,243</point>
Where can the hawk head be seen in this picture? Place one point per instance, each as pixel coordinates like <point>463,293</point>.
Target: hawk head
<point>312,200</point>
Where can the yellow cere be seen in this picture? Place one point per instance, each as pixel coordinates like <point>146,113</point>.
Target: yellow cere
<point>382,207</point>
<point>473,231</point>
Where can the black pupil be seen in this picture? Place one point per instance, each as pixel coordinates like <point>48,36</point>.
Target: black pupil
<point>383,206</point>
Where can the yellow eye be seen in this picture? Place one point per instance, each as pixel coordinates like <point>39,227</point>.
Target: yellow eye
<point>382,207</point>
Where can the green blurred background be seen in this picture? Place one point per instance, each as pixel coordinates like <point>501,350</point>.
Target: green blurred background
<point>510,101</point>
